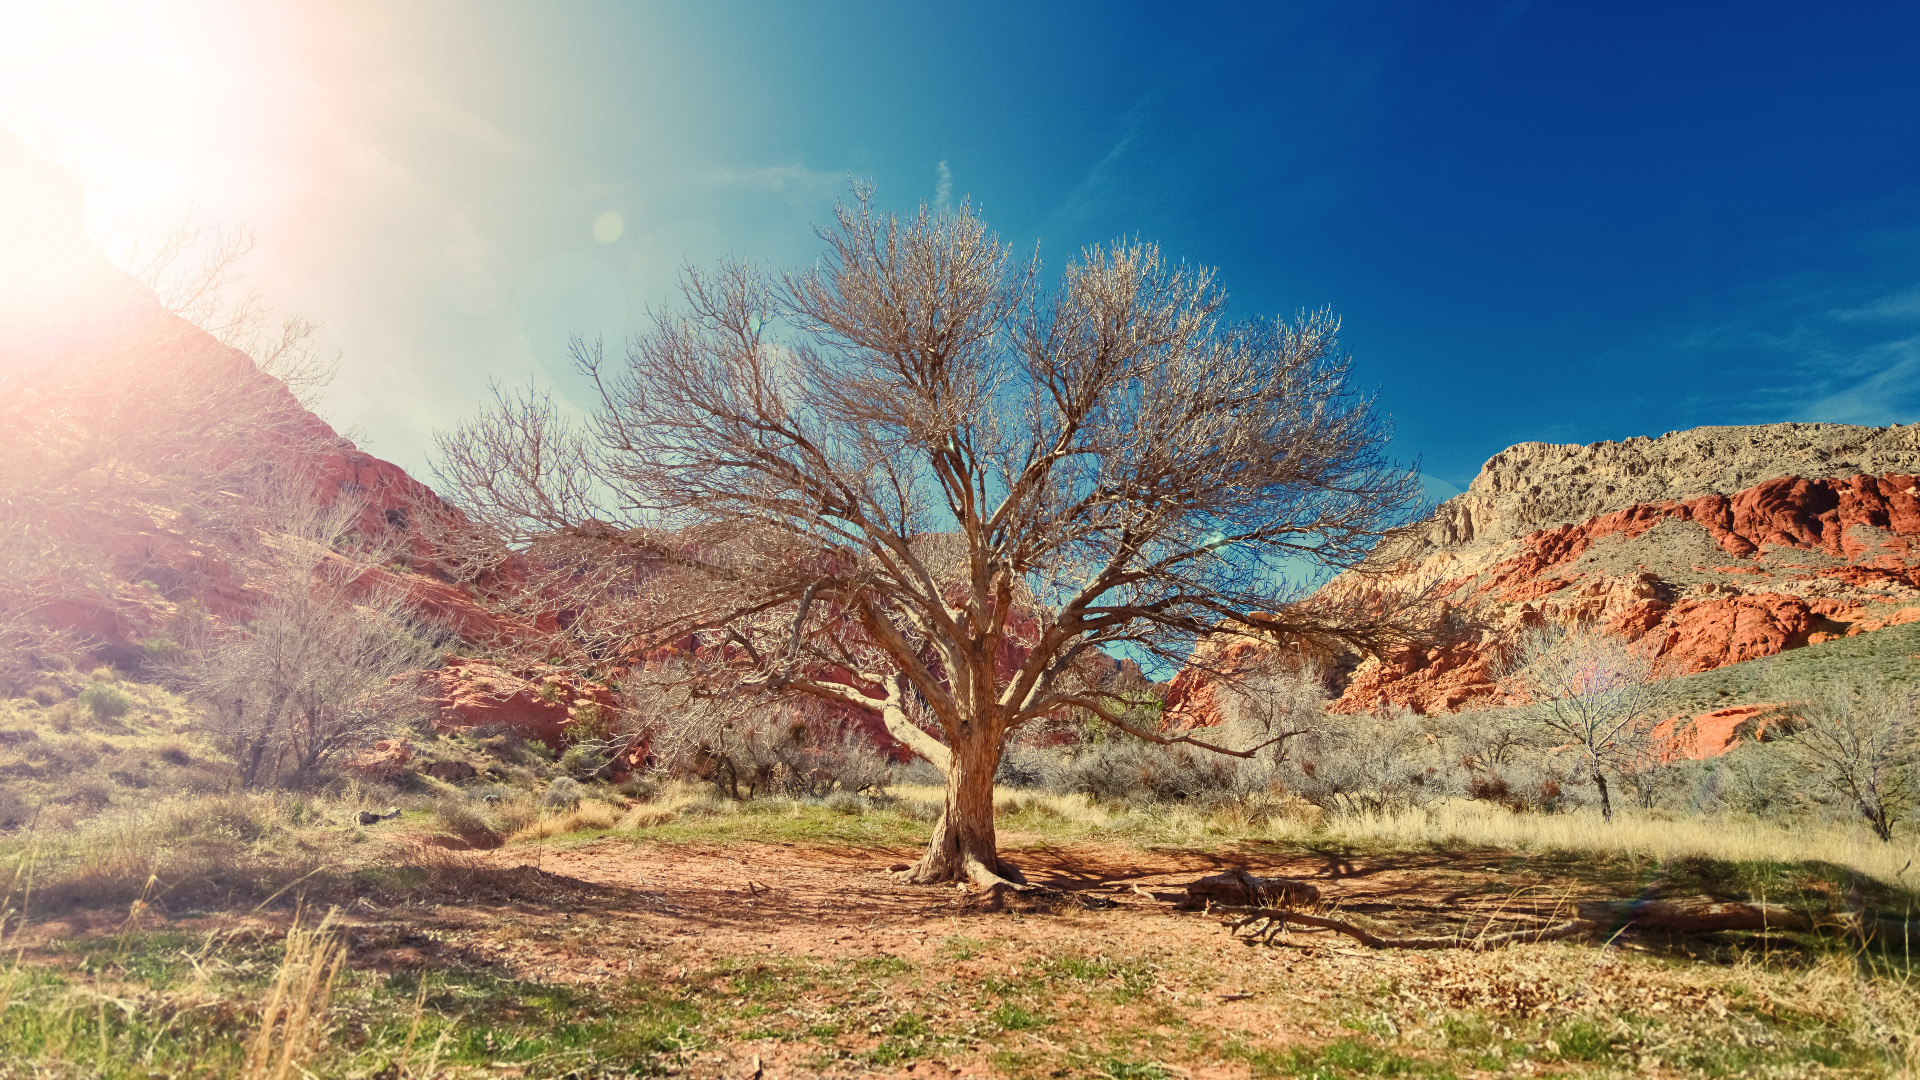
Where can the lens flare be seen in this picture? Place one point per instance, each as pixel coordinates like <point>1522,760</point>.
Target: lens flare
<point>608,226</point>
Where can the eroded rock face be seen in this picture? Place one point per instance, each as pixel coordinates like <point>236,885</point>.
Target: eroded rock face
<point>1532,486</point>
<point>535,701</point>
<point>384,760</point>
<point>1714,546</point>
<point>80,338</point>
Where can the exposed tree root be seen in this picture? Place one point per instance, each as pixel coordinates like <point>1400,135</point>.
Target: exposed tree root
<point>969,871</point>
<point>1263,924</point>
<point>1689,915</point>
<point>1261,908</point>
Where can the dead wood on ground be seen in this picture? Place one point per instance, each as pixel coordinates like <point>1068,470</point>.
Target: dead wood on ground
<point>1262,908</point>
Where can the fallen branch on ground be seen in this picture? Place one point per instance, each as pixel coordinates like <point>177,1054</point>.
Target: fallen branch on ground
<point>1262,907</point>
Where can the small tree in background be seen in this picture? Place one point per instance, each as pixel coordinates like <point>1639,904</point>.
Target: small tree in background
<point>911,480</point>
<point>1594,690</point>
<point>315,670</point>
<point>1859,745</point>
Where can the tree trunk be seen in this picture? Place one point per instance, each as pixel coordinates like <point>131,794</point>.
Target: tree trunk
<point>1606,802</point>
<point>1876,814</point>
<point>963,847</point>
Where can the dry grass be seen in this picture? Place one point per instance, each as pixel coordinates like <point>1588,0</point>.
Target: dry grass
<point>1656,836</point>
<point>589,815</point>
<point>293,1020</point>
<point>1074,811</point>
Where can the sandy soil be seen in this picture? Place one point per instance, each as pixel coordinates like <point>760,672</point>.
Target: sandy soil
<point>617,909</point>
<point>614,908</point>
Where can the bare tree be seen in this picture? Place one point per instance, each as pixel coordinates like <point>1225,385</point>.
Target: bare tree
<point>743,747</point>
<point>1858,745</point>
<point>320,666</point>
<point>1596,691</point>
<point>912,478</point>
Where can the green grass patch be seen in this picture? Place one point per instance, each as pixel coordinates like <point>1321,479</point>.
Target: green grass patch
<point>1013,1017</point>
<point>1341,1059</point>
<point>787,821</point>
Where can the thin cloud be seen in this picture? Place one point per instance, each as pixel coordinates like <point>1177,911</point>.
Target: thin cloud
<point>1887,393</point>
<point>1902,306</point>
<point>796,183</point>
<point>1096,187</point>
<point>943,186</point>
<point>1852,364</point>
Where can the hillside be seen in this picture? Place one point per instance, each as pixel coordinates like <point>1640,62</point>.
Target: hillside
<point>146,459</point>
<point>1722,544</point>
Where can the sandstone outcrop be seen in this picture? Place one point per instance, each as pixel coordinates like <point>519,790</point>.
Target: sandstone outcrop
<point>127,431</point>
<point>1712,546</point>
<point>535,701</point>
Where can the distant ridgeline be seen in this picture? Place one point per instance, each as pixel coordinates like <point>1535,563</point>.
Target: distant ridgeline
<point>139,450</point>
<point>1719,544</point>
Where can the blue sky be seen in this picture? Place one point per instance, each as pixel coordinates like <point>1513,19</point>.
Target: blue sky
<point>1540,221</point>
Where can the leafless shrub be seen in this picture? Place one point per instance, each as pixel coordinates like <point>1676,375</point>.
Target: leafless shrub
<point>1595,692</point>
<point>1370,764</point>
<point>750,747</point>
<point>1855,746</point>
<point>319,666</point>
<point>1508,761</point>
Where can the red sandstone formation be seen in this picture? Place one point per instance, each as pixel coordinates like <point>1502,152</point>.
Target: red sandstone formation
<point>535,701</point>
<point>1706,578</point>
<point>1709,734</point>
<point>1824,558</point>
<point>123,424</point>
<point>385,760</point>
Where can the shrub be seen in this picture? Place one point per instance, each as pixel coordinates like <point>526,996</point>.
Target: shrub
<point>105,700</point>
<point>160,650</point>
<point>637,787</point>
<point>847,802</point>
<point>1131,771</point>
<point>584,762</point>
<point>1855,747</point>
<point>747,752</point>
<point>459,817</point>
<point>564,794</point>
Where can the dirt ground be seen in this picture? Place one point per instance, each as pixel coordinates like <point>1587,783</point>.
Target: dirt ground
<point>628,907</point>
<point>812,960</point>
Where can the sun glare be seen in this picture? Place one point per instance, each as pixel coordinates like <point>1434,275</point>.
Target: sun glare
<point>157,107</point>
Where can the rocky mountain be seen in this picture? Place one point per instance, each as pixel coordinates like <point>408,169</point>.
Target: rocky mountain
<point>1722,544</point>
<point>136,447</point>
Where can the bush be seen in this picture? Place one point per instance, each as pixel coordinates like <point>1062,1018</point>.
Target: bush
<point>758,752</point>
<point>847,802</point>
<point>459,817</point>
<point>564,794</point>
<point>584,762</point>
<point>637,787</point>
<point>1128,770</point>
<point>105,700</point>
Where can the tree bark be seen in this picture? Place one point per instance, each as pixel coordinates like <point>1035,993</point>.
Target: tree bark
<point>1876,814</point>
<point>963,846</point>
<point>1606,801</point>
